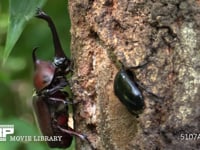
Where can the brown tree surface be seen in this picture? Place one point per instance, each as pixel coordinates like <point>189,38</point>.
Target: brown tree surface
<point>164,33</point>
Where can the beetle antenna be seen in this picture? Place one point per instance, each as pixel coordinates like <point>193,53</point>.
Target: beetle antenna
<point>59,53</point>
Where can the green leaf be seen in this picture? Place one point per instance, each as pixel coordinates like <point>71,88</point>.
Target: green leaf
<point>21,11</point>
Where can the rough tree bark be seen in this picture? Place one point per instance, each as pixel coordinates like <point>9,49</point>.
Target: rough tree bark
<point>164,33</point>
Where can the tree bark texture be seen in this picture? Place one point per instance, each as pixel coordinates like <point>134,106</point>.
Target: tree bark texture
<point>163,33</point>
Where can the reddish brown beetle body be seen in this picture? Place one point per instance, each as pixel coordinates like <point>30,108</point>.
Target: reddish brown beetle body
<point>44,73</point>
<point>48,124</point>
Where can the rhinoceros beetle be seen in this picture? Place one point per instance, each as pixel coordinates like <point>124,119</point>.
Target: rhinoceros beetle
<point>50,102</point>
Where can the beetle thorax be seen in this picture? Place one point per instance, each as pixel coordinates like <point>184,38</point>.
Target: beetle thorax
<point>44,73</point>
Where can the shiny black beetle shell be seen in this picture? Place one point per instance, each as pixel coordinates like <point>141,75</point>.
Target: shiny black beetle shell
<point>128,92</point>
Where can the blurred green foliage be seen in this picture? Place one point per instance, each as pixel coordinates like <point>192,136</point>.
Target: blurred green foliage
<point>20,12</point>
<point>16,86</point>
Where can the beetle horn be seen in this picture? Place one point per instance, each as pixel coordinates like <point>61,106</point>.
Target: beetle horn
<point>59,53</point>
<point>34,57</point>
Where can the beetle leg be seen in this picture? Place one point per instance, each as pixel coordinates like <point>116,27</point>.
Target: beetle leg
<point>81,136</point>
<point>53,89</point>
<point>60,100</point>
<point>137,67</point>
<point>65,102</point>
<point>149,92</point>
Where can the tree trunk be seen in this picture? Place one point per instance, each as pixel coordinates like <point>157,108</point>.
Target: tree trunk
<point>163,33</point>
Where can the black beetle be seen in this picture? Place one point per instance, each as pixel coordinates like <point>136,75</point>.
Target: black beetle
<point>128,92</point>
